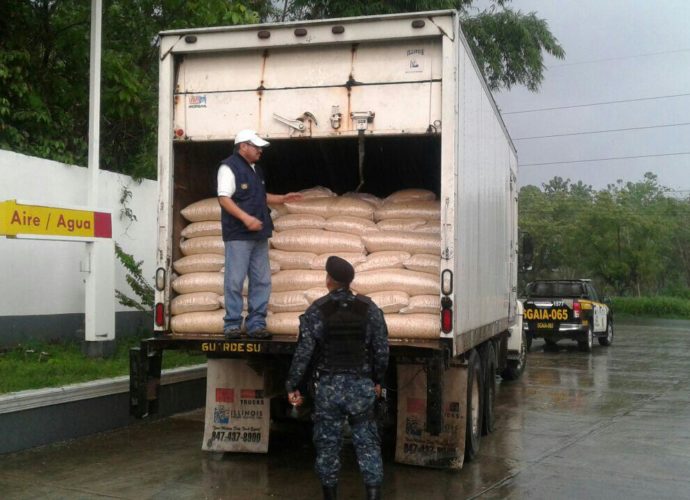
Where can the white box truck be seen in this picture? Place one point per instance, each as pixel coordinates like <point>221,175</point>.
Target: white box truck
<point>380,103</point>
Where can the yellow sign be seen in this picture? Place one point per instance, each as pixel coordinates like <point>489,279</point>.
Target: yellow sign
<point>18,219</point>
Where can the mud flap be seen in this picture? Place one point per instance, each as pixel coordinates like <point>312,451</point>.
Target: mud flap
<point>414,444</point>
<point>237,411</point>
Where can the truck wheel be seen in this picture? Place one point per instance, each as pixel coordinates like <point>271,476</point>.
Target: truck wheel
<point>515,367</point>
<point>475,399</point>
<point>586,345</point>
<point>608,339</point>
<point>550,345</point>
<point>489,361</point>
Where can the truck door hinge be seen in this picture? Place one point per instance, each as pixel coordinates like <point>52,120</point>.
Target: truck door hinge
<point>298,123</point>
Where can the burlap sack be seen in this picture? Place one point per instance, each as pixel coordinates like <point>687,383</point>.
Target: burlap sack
<point>400,224</point>
<point>431,227</point>
<point>390,302</point>
<point>347,224</point>
<point>286,323</point>
<point>198,322</point>
<point>388,259</point>
<point>285,281</point>
<point>245,303</point>
<point>413,326</point>
<point>199,263</point>
<point>330,207</point>
<point>382,280</point>
<point>194,302</point>
<point>294,301</point>
<point>424,263</point>
<point>414,209</point>
<point>203,244</point>
<point>317,192</point>
<point>275,266</point>
<point>319,262</point>
<point>317,241</point>
<point>313,294</point>
<point>299,221</point>
<point>410,194</point>
<point>407,242</point>
<point>373,200</point>
<point>278,210</point>
<point>422,304</point>
<point>199,282</point>
<point>203,228</point>
<point>291,260</point>
<point>202,210</point>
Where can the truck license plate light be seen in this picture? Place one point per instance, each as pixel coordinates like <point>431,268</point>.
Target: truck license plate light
<point>160,279</point>
<point>446,315</point>
<point>447,282</point>
<point>160,316</point>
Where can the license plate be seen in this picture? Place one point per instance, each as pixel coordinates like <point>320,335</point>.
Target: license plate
<point>545,325</point>
<point>546,314</point>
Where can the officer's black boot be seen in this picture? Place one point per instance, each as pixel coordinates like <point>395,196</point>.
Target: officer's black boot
<point>330,492</point>
<point>373,492</point>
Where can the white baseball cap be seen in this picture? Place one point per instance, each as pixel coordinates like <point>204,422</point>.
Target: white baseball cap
<point>248,135</point>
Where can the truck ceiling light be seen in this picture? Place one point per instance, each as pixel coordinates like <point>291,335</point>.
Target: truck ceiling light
<point>160,314</point>
<point>264,34</point>
<point>418,23</point>
<point>447,282</point>
<point>190,39</point>
<point>160,279</point>
<point>338,30</point>
<point>300,32</point>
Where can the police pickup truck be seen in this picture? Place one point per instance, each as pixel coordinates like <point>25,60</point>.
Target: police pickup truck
<point>567,309</point>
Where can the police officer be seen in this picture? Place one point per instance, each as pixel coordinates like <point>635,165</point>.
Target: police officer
<point>346,337</point>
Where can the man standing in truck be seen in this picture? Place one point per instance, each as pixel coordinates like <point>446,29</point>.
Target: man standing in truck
<point>247,225</point>
<point>346,337</point>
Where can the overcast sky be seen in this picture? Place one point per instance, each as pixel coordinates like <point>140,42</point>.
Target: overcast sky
<point>616,50</point>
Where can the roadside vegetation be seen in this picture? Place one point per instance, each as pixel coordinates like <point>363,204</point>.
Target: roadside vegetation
<point>656,307</point>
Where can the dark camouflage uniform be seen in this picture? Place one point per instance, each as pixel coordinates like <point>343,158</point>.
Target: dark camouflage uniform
<point>341,396</point>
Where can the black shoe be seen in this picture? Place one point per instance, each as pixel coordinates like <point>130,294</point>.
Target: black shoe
<point>330,492</point>
<point>373,492</point>
<point>231,334</point>
<point>262,334</point>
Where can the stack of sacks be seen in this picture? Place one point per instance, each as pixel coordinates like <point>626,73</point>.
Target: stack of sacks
<point>394,245</point>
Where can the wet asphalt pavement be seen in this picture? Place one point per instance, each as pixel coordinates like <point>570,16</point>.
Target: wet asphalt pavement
<point>612,424</point>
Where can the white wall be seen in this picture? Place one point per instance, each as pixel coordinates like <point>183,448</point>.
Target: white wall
<point>40,277</point>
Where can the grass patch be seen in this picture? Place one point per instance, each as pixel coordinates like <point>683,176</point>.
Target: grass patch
<point>26,367</point>
<point>655,307</point>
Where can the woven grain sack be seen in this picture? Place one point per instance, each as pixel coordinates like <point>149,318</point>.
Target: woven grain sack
<point>387,259</point>
<point>291,260</point>
<point>286,323</point>
<point>198,322</point>
<point>317,192</point>
<point>203,244</point>
<point>313,294</point>
<point>317,241</point>
<point>193,302</point>
<point>319,262</point>
<point>410,194</point>
<point>313,206</point>
<point>203,228</point>
<point>413,326</point>
<point>330,207</point>
<point>245,303</point>
<point>400,224</point>
<point>424,304</point>
<point>208,209</point>
<point>373,200</point>
<point>285,281</point>
<point>407,242</point>
<point>390,302</point>
<point>414,209</point>
<point>424,263</point>
<point>294,301</point>
<point>199,282</point>
<point>199,263</point>
<point>278,210</point>
<point>382,280</point>
<point>347,224</point>
<point>299,221</point>
<point>431,227</point>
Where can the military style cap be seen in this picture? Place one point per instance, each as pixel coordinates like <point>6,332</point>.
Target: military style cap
<point>340,269</point>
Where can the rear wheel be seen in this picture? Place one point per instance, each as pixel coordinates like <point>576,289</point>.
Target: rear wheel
<point>475,399</point>
<point>586,345</point>
<point>489,361</point>
<point>608,339</point>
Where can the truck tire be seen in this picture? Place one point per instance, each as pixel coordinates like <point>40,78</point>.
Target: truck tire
<point>515,367</point>
<point>586,345</point>
<point>489,362</point>
<point>475,400</point>
<point>550,345</point>
<point>607,340</point>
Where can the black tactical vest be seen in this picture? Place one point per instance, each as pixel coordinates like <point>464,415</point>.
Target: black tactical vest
<point>344,348</point>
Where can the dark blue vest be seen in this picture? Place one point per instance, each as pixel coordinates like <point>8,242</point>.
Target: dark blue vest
<point>250,196</point>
